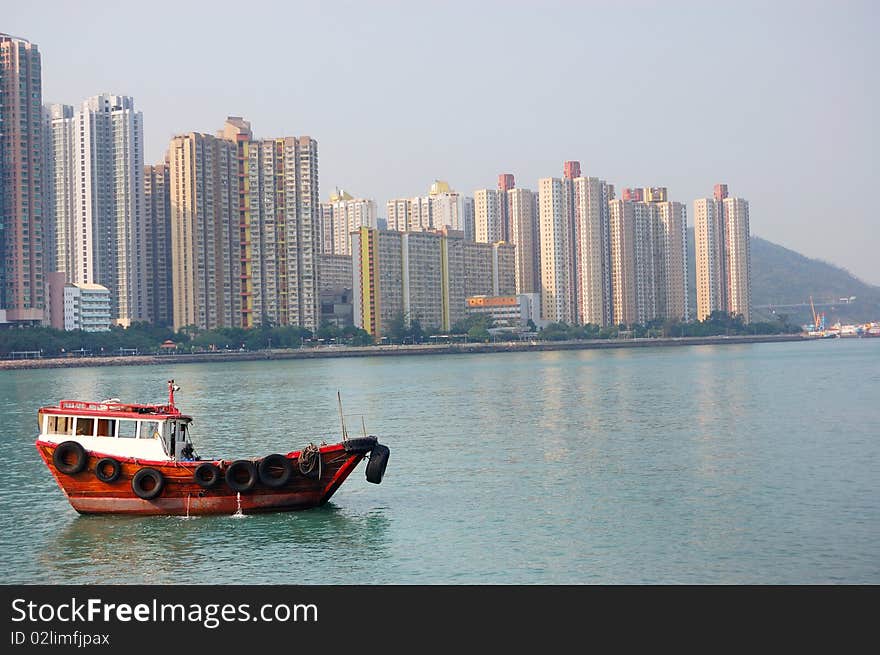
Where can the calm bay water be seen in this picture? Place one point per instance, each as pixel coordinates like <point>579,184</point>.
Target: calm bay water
<point>731,464</point>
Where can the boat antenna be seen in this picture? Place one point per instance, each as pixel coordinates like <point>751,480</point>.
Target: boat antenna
<point>364,425</point>
<point>171,389</point>
<point>342,416</point>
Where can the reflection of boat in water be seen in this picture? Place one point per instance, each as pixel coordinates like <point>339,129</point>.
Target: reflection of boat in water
<point>100,547</point>
<point>118,458</point>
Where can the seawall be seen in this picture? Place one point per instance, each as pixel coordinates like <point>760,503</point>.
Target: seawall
<point>382,351</point>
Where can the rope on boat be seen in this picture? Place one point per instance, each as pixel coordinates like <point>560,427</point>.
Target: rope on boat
<point>310,460</point>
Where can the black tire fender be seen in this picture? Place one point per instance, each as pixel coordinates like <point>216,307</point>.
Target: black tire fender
<point>63,450</point>
<point>237,467</point>
<point>378,461</point>
<point>140,489</point>
<point>206,475</point>
<point>273,462</point>
<point>115,469</point>
<point>359,444</point>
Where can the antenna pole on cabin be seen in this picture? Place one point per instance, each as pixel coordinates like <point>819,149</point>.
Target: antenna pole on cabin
<point>171,389</point>
<point>364,425</point>
<point>342,416</point>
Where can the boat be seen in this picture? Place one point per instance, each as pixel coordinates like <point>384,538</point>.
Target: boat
<point>111,457</point>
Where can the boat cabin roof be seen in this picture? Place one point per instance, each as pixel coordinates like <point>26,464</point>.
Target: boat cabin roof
<point>115,409</point>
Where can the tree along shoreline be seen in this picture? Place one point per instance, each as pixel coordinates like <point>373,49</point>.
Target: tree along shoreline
<point>394,350</point>
<point>147,339</point>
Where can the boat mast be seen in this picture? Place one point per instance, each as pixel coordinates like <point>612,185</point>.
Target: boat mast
<point>342,416</point>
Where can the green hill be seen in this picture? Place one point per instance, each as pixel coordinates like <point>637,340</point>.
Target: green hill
<point>783,281</point>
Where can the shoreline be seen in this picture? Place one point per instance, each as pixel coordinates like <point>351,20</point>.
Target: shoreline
<point>384,351</point>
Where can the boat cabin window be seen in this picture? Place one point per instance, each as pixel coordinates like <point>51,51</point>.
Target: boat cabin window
<point>85,426</point>
<point>106,427</point>
<point>60,425</point>
<point>127,429</point>
<point>150,430</point>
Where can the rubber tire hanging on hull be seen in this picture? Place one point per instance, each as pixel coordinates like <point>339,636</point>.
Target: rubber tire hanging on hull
<point>232,471</point>
<point>113,464</point>
<point>66,448</point>
<point>275,461</point>
<point>378,462</point>
<point>359,444</point>
<point>212,478</point>
<point>137,483</point>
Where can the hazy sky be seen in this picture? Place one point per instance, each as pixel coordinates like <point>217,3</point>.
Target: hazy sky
<point>778,100</point>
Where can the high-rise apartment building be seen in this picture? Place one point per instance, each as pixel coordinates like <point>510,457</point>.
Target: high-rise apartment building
<point>468,218</point>
<point>672,228</point>
<point>709,257</point>
<point>623,261</point>
<point>442,208</point>
<point>345,214</point>
<point>478,278</point>
<point>489,207</point>
<point>524,235</point>
<point>62,203</point>
<point>415,275</point>
<point>445,207</point>
<point>96,162</point>
<point>592,251</point>
<point>205,232</point>
<point>737,253</point>
<point>557,273</point>
<point>278,227</point>
<point>503,268</point>
<point>157,199</point>
<point>335,272</point>
<point>397,213</point>
<point>648,258</point>
<point>489,269</point>
<point>506,182</point>
<point>723,254</point>
<point>377,279</point>
<point>422,279</point>
<point>22,281</point>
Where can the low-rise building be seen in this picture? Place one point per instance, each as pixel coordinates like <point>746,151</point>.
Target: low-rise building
<point>513,311</point>
<point>86,307</point>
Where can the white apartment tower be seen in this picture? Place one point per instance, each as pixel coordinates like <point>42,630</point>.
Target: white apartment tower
<point>623,262</point>
<point>445,207</point>
<point>63,154</point>
<point>591,225</point>
<point>441,208</point>
<point>345,214</point>
<point>100,238</point>
<point>711,272</point>
<point>488,215</point>
<point>524,234</point>
<point>738,257</point>
<point>557,293</point>
<point>672,228</point>
<point>397,212</point>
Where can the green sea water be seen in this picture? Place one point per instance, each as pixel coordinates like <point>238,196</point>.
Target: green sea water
<point>705,464</point>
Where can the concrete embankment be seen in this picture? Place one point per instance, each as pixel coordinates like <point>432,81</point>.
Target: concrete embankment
<point>379,351</point>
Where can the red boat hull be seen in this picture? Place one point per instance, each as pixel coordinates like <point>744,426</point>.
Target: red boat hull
<point>182,495</point>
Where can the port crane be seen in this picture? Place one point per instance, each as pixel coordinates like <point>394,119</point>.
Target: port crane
<point>818,319</point>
